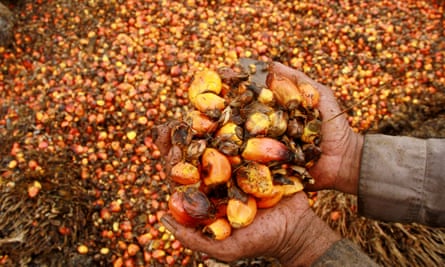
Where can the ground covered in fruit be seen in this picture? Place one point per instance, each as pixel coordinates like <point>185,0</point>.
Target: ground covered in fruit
<point>83,83</point>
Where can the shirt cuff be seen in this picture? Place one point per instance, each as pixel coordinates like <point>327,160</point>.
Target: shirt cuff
<point>344,253</point>
<point>401,179</point>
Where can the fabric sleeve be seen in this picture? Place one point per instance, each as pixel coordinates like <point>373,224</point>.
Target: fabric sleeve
<point>402,179</point>
<point>344,253</point>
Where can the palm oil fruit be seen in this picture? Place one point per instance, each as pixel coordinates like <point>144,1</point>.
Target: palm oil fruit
<point>255,179</point>
<point>216,167</point>
<point>310,94</point>
<point>266,150</point>
<point>311,131</point>
<point>284,90</point>
<point>204,81</point>
<point>230,132</point>
<point>219,229</point>
<point>241,214</point>
<point>266,96</point>
<point>185,173</point>
<point>257,123</point>
<point>278,123</point>
<point>191,207</point>
<point>200,123</point>
<point>210,104</point>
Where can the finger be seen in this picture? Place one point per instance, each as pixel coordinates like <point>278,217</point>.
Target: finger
<point>225,250</point>
<point>189,237</point>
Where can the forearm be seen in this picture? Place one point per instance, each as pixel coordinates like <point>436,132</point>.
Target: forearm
<point>402,180</point>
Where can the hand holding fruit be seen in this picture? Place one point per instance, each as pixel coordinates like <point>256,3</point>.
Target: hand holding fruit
<point>338,166</point>
<point>239,152</point>
<point>289,231</point>
<point>241,147</point>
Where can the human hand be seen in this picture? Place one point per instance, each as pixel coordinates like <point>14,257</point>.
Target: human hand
<point>290,232</point>
<point>339,165</point>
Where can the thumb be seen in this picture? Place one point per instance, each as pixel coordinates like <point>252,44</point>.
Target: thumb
<point>189,237</point>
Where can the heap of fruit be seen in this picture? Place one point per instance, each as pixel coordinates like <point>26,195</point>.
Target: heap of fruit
<point>241,147</point>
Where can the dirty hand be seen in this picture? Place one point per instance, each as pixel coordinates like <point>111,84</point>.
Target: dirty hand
<point>290,232</point>
<point>339,165</point>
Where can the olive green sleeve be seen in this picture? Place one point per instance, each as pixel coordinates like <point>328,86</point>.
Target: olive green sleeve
<point>346,254</point>
<point>402,179</point>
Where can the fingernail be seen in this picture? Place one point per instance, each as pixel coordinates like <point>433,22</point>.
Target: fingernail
<point>168,223</point>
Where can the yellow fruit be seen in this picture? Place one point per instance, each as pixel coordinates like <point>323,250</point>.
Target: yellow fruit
<point>265,96</point>
<point>228,139</point>
<point>230,132</point>
<point>210,104</point>
<point>220,229</point>
<point>204,81</point>
<point>241,147</point>
<point>241,214</point>
<point>257,123</point>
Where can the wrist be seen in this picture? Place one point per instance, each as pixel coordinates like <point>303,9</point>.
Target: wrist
<point>349,171</point>
<point>310,239</point>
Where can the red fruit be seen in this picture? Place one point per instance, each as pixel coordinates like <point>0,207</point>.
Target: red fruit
<point>191,207</point>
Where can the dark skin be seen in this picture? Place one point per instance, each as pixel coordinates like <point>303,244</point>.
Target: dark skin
<point>290,231</point>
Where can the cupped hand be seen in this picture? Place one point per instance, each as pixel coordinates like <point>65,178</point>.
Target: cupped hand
<point>339,165</point>
<point>290,232</point>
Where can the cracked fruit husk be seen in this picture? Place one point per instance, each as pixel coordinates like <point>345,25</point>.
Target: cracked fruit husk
<point>204,81</point>
<point>191,207</point>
